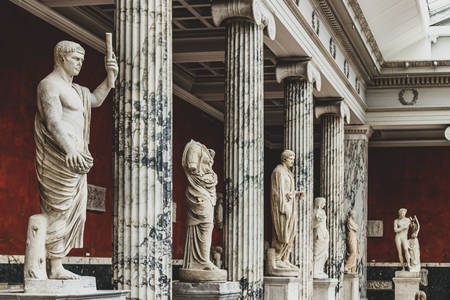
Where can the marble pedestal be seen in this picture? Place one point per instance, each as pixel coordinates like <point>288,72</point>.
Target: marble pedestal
<point>406,285</point>
<point>351,286</point>
<point>206,290</point>
<point>276,288</point>
<point>103,295</point>
<point>86,284</point>
<point>324,289</point>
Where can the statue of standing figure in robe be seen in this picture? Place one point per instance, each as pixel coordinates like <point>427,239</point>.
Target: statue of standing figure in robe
<point>353,249</point>
<point>61,134</point>
<point>321,238</point>
<point>200,196</point>
<point>283,203</point>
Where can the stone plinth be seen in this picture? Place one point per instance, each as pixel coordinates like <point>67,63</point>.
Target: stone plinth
<point>103,295</point>
<point>281,288</point>
<point>351,286</point>
<point>192,275</point>
<point>406,285</point>
<point>52,286</point>
<point>324,289</point>
<point>206,290</point>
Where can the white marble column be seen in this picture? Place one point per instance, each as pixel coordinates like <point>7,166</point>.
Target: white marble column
<point>355,190</point>
<point>142,195</point>
<point>333,113</point>
<point>298,76</point>
<point>244,22</point>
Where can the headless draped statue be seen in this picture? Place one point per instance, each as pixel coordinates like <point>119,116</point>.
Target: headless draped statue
<point>321,239</point>
<point>63,159</point>
<point>353,249</point>
<point>283,205</point>
<point>200,196</point>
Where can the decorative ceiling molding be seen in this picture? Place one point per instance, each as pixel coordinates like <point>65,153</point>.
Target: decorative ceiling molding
<point>409,143</point>
<point>366,30</point>
<point>427,81</point>
<point>416,64</point>
<point>339,32</point>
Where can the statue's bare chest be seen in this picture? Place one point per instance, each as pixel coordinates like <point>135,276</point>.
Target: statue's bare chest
<point>70,99</point>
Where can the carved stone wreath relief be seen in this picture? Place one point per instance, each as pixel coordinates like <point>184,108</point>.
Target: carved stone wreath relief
<point>408,96</point>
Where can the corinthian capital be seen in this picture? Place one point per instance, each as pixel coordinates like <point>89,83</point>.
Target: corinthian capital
<point>333,106</point>
<point>300,68</point>
<point>254,10</point>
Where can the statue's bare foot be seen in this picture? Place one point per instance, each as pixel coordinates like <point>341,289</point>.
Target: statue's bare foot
<point>288,263</point>
<point>61,273</point>
<point>210,266</point>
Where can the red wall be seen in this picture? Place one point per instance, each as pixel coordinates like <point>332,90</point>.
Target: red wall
<point>417,179</point>
<point>191,123</point>
<point>26,51</point>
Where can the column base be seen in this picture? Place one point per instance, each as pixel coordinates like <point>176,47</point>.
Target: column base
<point>103,295</point>
<point>276,288</point>
<point>351,286</point>
<point>324,289</point>
<point>406,284</point>
<point>206,290</point>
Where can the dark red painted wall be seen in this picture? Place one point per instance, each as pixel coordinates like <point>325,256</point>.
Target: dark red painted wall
<point>26,51</point>
<point>191,123</point>
<point>419,180</point>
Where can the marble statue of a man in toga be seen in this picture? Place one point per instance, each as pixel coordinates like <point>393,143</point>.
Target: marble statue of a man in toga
<point>283,197</point>
<point>62,155</point>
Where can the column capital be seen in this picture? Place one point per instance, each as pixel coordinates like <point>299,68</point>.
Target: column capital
<point>358,132</point>
<point>335,106</point>
<point>254,10</point>
<point>300,67</point>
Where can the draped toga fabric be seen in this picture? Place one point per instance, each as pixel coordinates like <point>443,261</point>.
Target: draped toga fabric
<point>283,211</point>
<point>63,193</point>
<point>352,245</point>
<point>200,201</point>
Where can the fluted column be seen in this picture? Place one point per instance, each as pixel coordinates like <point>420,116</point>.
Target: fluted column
<point>142,195</point>
<point>244,21</point>
<point>298,76</point>
<point>333,113</point>
<point>355,185</point>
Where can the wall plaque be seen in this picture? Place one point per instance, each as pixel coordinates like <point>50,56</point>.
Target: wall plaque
<point>375,228</point>
<point>379,285</point>
<point>96,198</point>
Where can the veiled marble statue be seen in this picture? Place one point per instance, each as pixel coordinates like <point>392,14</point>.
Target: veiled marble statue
<point>283,205</point>
<point>401,226</point>
<point>353,249</point>
<point>200,196</point>
<point>321,239</point>
<point>63,159</point>
<point>413,246</point>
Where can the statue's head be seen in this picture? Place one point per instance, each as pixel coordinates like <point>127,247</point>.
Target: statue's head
<point>288,158</point>
<point>69,56</point>
<point>352,213</point>
<point>319,202</point>
<point>402,212</point>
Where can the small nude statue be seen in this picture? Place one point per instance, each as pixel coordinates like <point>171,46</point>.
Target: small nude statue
<point>413,246</point>
<point>283,198</point>
<point>353,249</point>
<point>420,295</point>
<point>321,239</point>
<point>401,226</point>
<point>216,256</point>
